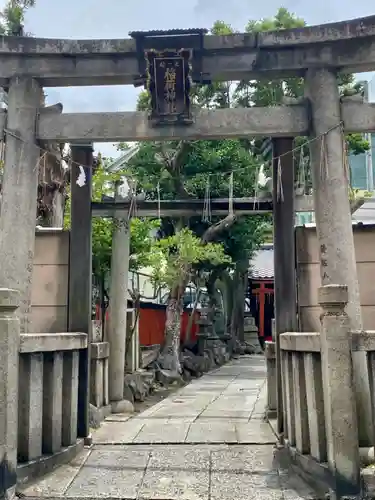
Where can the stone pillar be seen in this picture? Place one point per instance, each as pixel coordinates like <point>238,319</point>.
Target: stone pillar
<point>19,192</point>
<point>132,361</point>
<point>333,219</point>
<point>339,391</point>
<point>251,335</point>
<point>80,270</point>
<point>270,355</point>
<point>9,347</point>
<point>284,254</point>
<point>118,311</point>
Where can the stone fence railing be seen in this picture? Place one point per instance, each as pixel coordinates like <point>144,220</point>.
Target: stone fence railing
<point>320,419</point>
<point>99,369</point>
<point>99,391</point>
<point>42,396</point>
<point>48,396</point>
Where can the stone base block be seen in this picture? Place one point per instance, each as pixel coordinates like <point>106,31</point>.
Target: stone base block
<point>35,468</point>
<point>123,406</point>
<point>97,415</point>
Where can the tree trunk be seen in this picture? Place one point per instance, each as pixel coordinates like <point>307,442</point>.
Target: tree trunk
<point>226,286</point>
<point>210,287</point>
<point>234,315</point>
<point>191,317</point>
<point>238,310</point>
<point>53,179</point>
<point>58,209</point>
<point>170,356</point>
<point>51,188</point>
<point>222,286</point>
<point>241,306</point>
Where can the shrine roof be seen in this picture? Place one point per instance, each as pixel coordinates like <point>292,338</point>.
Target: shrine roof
<point>261,266</point>
<point>366,213</point>
<point>363,216</point>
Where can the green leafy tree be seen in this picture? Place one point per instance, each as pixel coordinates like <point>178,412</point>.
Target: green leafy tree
<point>13,15</point>
<point>273,92</point>
<point>175,260</point>
<point>181,170</point>
<point>53,178</point>
<point>188,169</point>
<point>141,239</point>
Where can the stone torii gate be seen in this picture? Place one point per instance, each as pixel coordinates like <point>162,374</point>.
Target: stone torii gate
<point>316,53</point>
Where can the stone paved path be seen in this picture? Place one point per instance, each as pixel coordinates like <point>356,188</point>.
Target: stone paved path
<point>206,442</point>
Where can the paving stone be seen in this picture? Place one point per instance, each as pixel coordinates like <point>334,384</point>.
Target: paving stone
<point>255,432</point>
<point>211,390</point>
<point>175,485</point>
<point>294,488</point>
<point>244,486</point>
<point>176,420</point>
<point>182,411</point>
<point>118,432</point>
<point>260,406</point>
<point>150,411</point>
<point>211,411</point>
<point>163,432</point>
<point>186,457</point>
<point>257,416</point>
<point>234,401</point>
<point>118,417</point>
<point>244,459</point>
<point>212,432</point>
<point>194,399</point>
<point>57,482</point>
<point>124,448</point>
<point>111,474</point>
<point>224,406</point>
<point>225,414</point>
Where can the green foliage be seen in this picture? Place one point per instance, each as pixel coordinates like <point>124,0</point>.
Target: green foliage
<point>271,93</point>
<point>144,101</point>
<point>142,241</point>
<point>174,258</point>
<point>187,174</point>
<point>205,161</point>
<point>357,144</point>
<point>103,182</point>
<point>12,16</point>
<point>282,20</point>
<point>268,93</point>
<point>245,237</point>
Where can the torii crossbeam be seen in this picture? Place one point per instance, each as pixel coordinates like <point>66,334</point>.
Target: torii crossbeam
<point>193,207</point>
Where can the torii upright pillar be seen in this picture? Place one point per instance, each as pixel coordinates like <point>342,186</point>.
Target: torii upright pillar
<point>333,219</point>
<point>80,270</point>
<point>19,192</point>
<point>118,310</point>
<point>284,254</point>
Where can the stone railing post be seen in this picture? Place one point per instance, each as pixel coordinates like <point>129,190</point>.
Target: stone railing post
<point>270,354</point>
<point>9,348</point>
<point>118,310</point>
<point>338,391</point>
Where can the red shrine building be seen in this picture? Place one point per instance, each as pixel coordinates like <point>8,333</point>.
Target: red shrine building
<point>260,295</point>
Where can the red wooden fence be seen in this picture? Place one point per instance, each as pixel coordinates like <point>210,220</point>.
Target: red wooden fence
<point>152,324</point>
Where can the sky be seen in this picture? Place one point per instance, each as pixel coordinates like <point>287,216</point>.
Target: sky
<point>115,18</point>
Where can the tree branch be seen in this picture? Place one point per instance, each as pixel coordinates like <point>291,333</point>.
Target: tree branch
<point>173,165</point>
<point>214,231</point>
<point>356,204</point>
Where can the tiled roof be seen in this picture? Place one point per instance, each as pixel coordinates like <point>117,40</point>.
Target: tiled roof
<point>261,266</point>
<point>366,213</point>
